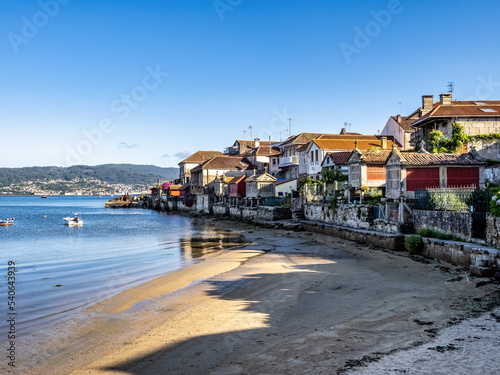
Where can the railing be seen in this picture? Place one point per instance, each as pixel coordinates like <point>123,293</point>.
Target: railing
<point>289,160</point>
<point>445,199</point>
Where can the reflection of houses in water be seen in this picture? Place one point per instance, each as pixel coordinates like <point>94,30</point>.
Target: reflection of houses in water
<point>198,246</point>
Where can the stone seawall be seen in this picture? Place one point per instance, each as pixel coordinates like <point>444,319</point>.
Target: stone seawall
<point>384,240</point>
<point>259,214</point>
<point>457,223</point>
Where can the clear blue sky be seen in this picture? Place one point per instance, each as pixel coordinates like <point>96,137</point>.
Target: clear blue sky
<point>92,82</point>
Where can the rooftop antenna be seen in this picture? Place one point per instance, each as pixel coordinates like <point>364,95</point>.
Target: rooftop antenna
<point>349,128</point>
<point>450,89</point>
<point>400,107</point>
<point>250,127</point>
<point>244,135</point>
<point>290,125</point>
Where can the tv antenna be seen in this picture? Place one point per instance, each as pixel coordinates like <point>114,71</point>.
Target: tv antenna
<point>244,135</point>
<point>450,88</point>
<point>250,127</point>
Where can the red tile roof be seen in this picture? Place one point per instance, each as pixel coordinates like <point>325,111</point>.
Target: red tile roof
<point>340,158</point>
<point>404,122</point>
<point>201,156</point>
<point>350,144</point>
<point>375,157</point>
<point>225,163</point>
<point>461,109</point>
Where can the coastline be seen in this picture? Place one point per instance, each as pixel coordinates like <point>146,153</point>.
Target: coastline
<point>290,301</point>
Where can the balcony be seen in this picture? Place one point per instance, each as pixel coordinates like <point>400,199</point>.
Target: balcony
<point>289,161</point>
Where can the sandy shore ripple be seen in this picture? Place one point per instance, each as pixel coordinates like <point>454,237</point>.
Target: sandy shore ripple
<point>289,303</point>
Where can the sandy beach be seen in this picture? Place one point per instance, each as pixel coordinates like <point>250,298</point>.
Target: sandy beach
<point>287,303</point>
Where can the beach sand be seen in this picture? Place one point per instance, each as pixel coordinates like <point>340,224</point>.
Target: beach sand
<point>289,303</point>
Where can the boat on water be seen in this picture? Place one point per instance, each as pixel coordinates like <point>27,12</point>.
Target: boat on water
<point>6,222</point>
<point>43,196</point>
<point>74,221</point>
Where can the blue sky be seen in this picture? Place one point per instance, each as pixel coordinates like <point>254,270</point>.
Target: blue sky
<point>150,82</point>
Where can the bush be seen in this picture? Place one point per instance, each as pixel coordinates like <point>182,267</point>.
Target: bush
<point>413,244</point>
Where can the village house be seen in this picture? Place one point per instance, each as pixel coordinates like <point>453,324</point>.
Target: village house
<point>407,172</point>
<point>476,116</point>
<point>192,161</point>
<point>285,187</point>
<point>318,148</point>
<point>400,128</point>
<point>240,147</point>
<point>336,161</point>
<point>262,157</point>
<point>293,155</point>
<point>203,176</point>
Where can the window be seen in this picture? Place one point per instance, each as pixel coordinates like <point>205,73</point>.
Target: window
<point>274,161</point>
<point>312,155</point>
<point>317,155</point>
<point>480,103</point>
<point>488,110</point>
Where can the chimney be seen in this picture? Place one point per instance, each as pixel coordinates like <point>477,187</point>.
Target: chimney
<point>399,119</point>
<point>445,98</point>
<point>342,131</point>
<point>427,101</point>
<point>256,142</point>
<point>384,143</point>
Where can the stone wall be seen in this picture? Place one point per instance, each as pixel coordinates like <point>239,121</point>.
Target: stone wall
<point>481,261</point>
<point>384,240</point>
<point>258,214</point>
<point>348,215</point>
<point>492,174</point>
<point>456,223</point>
<point>492,230</point>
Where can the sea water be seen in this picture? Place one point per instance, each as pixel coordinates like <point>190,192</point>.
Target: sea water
<point>61,269</point>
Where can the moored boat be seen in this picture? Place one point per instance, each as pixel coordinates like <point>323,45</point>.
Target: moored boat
<point>6,222</point>
<point>74,221</point>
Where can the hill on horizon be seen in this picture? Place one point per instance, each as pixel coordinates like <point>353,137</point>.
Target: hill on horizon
<point>129,174</point>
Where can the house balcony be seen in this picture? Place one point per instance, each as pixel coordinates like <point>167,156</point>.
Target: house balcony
<point>289,161</point>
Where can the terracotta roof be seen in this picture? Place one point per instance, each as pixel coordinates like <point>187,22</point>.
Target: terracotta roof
<point>339,158</point>
<point>462,109</point>
<point>404,122</point>
<point>302,138</point>
<point>350,136</point>
<point>201,156</point>
<point>423,159</point>
<point>225,163</point>
<point>375,157</point>
<point>252,143</point>
<point>264,151</point>
<point>349,144</point>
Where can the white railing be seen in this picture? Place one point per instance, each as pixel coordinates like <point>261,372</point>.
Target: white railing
<point>289,160</point>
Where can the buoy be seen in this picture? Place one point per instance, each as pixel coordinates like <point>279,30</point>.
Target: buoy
<point>44,215</point>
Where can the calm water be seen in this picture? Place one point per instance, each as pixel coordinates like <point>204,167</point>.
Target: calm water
<point>63,268</point>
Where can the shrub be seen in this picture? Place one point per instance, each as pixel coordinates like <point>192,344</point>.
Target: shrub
<point>413,244</point>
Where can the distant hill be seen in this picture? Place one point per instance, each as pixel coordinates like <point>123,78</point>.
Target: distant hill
<point>128,174</point>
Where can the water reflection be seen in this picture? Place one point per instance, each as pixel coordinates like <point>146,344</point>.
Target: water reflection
<point>209,240</point>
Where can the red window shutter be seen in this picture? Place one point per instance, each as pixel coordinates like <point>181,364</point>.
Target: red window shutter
<point>463,177</point>
<point>375,172</point>
<point>422,178</point>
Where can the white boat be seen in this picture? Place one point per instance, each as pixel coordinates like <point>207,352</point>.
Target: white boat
<point>6,222</point>
<point>74,221</point>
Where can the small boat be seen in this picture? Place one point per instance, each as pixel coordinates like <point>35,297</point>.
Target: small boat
<point>43,196</point>
<point>74,221</point>
<point>6,222</point>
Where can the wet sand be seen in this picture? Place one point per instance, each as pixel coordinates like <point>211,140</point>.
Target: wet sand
<point>290,303</point>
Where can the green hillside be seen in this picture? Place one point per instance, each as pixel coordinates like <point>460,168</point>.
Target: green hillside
<point>128,174</point>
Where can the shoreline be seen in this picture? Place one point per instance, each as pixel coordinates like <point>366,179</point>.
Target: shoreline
<point>244,306</point>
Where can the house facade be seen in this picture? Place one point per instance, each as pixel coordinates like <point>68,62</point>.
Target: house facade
<point>407,172</point>
<point>400,127</point>
<point>477,117</point>
<point>367,169</point>
<point>260,186</point>
<point>193,161</point>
